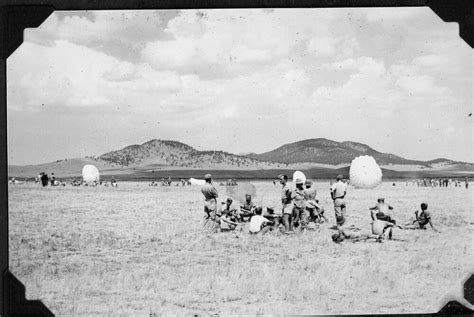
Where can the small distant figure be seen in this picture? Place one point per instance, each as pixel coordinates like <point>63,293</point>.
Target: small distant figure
<point>259,224</point>
<point>52,179</point>
<point>338,192</point>
<point>421,220</point>
<point>44,179</point>
<point>247,210</point>
<point>466,181</point>
<point>38,179</point>
<point>113,182</point>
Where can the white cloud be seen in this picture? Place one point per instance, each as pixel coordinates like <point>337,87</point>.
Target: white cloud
<point>323,46</point>
<point>430,60</point>
<point>213,76</point>
<point>392,14</point>
<point>73,75</point>
<point>201,42</point>
<point>128,27</point>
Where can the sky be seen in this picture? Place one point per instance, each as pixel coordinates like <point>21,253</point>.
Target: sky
<point>88,82</point>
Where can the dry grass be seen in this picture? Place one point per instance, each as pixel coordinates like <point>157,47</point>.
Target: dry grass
<point>137,251</point>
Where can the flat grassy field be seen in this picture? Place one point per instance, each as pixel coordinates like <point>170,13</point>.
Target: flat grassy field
<point>137,250</point>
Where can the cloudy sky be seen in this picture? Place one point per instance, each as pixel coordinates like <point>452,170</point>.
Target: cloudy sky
<point>84,83</point>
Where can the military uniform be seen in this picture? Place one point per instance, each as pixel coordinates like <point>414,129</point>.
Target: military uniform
<point>383,212</point>
<point>210,220</point>
<point>286,200</point>
<point>299,209</point>
<point>249,208</point>
<point>338,191</point>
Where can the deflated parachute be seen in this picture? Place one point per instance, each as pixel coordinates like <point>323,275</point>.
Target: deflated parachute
<point>300,175</point>
<point>90,173</point>
<point>238,192</point>
<point>195,181</point>
<point>365,172</point>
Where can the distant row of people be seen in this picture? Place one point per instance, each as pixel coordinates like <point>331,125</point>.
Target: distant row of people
<point>230,182</point>
<point>100,182</point>
<point>169,182</point>
<point>440,182</point>
<point>44,180</point>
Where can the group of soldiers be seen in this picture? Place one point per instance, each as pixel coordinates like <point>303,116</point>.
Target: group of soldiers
<point>300,210</point>
<point>440,182</point>
<point>168,182</point>
<point>43,179</point>
<point>101,182</point>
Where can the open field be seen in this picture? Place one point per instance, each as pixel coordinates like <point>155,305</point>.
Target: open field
<point>138,251</point>
<point>321,173</point>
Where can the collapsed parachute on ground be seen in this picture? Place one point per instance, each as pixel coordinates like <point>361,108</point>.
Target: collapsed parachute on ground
<point>365,172</point>
<point>300,175</point>
<point>90,174</point>
<point>195,181</point>
<point>238,192</point>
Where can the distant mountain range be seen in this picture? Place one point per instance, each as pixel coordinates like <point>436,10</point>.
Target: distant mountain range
<point>324,151</point>
<point>177,154</point>
<point>158,155</point>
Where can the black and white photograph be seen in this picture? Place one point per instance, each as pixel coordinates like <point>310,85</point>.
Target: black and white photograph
<point>241,162</point>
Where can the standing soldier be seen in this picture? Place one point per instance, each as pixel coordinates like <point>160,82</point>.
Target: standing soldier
<point>44,179</point>
<point>211,220</point>
<point>338,192</point>
<point>287,206</point>
<point>299,201</point>
<point>466,180</point>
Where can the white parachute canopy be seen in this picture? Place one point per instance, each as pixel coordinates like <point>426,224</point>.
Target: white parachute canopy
<point>90,173</point>
<point>365,172</point>
<point>195,181</point>
<point>300,175</point>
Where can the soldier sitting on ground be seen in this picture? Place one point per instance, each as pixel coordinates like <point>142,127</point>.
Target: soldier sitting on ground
<point>259,224</point>
<point>379,230</point>
<point>381,211</point>
<point>227,221</point>
<point>315,211</point>
<point>247,210</point>
<point>421,220</point>
<point>275,219</point>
